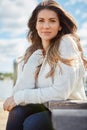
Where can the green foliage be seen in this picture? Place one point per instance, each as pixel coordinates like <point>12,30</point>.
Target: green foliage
<point>6,75</point>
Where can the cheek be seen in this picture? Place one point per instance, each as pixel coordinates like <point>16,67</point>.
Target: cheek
<point>37,27</point>
<point>56,29</point>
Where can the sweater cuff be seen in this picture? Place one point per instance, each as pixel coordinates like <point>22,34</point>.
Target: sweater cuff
<point>19,97</point>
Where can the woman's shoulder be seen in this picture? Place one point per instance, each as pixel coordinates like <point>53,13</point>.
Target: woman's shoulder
<point>36,58</point>
<point>36,54</point>
<point>68,46</point>
<point>68,38</point>
<point>67,41</point>
<point>38,51</point>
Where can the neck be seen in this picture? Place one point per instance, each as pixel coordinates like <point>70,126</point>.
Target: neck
<point>45,44</point>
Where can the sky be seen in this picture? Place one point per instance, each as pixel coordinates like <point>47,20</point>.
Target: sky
<point>14,15</point>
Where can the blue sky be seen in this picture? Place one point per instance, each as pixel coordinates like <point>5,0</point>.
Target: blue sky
<point>14,15</point>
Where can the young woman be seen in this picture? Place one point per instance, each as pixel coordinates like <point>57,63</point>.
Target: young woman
<point>59,67</point>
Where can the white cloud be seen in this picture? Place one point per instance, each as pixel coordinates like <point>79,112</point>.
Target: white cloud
<point>84,16</point>
<point>10,50</point>
<point>14,15</point>
<point>73,2</point>
<point>77,11</point>
<point>83,36</point>
<point>70,2</point>
<point>83,1</point>
<point>13,46</point>
<point>83,31</point>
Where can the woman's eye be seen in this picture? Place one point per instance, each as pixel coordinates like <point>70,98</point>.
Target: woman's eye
<point>53,21</point>
<point>40,20</point>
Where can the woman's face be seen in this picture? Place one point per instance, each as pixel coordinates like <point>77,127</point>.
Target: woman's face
<point>47,24</point>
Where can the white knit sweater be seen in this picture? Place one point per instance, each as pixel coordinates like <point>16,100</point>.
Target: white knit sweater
<point>26,75</point>
<point>67,84</point>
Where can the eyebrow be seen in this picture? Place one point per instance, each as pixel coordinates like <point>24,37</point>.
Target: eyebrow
<point>43,18</point>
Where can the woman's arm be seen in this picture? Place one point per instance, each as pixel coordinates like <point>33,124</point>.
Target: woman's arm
<point>26,79</point>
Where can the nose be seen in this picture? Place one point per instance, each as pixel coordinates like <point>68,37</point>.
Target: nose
<point>46,25</point>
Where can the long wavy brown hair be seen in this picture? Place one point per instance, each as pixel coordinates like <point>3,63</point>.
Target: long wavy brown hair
<point>68,25</point>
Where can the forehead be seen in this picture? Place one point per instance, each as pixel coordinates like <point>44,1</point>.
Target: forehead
<point>47,13</point>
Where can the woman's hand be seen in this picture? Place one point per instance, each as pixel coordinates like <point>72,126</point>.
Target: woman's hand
<point>9,104</point>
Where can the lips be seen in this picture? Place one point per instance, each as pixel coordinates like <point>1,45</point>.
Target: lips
<point>46,32</point>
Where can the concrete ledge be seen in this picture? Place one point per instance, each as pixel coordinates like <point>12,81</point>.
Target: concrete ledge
<point>69,119</point>
<point>69,115</point>
<point>68,104</point>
